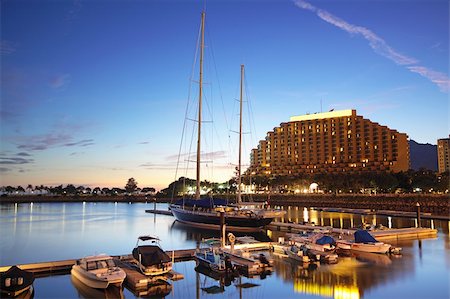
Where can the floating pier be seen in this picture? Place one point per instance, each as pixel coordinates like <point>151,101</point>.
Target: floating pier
<point>160,212</point>
<point>43,269</point>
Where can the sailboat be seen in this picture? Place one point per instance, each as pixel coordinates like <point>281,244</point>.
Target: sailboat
<point>205,212</point>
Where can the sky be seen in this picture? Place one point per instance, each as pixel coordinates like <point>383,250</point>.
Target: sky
<point>95,92</point>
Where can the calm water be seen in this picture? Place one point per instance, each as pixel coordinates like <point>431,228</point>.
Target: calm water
<point>47,232</point>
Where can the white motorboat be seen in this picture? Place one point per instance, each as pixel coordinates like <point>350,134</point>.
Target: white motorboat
<point>98,272</point>
<point>211,256</point>
<point>151,259</point>
<point>297,253</point>
<point>365,242</point>
<point>314,241</point>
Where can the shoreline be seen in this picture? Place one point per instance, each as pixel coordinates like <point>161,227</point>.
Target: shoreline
<point>435,204</point>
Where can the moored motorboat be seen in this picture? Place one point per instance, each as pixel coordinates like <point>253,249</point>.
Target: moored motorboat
<point>212,257</point>
<point>15,281</point>
<point>297,253</point>
<point>150,258</point>
<point>365,242</point>
<point>98,271</point>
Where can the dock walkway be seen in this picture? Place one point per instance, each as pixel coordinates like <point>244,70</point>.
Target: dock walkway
<point>43,269</point>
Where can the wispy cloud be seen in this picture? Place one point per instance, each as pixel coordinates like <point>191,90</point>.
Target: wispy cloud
<point>14,161</point>
<point>7,47</point>
<point>43,142</point>
<point>437,78</point>
<point>379,45</point>
<point>85,142</point>
<point>4,169</point>
<point>144,142</point>
<point>23,154</point>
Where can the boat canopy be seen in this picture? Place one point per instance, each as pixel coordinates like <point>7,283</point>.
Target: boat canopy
<point>15,279</point>
<point>148,238</point>
<point>203,202</point>
<point>326,240</point>
<point>150,255</point>
<point>363,236</point>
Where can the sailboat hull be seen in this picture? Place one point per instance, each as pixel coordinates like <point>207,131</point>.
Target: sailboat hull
<point>211,220</point>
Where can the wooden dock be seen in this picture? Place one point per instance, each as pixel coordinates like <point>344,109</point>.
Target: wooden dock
<point>43,269</point>
<point>160,212</point>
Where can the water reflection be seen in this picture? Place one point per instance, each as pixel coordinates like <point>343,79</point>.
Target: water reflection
<point>87,292</point>
<point>53,231</point>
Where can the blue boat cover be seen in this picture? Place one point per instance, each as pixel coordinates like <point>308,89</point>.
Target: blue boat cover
<point>363,236</point>
<point>203,202</point>
<point>325,240</point>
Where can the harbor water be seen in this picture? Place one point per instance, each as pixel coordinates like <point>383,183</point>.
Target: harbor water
<point>42,232</point>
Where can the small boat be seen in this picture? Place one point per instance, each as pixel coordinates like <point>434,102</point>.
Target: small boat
<point>15,281</point>
<point>212,257</point>
<point>98,272</point>
<point>250,262</point>
<point>315,241</point>
<point>151,259</point>
<point>365,242</point>
<point>297,253</point>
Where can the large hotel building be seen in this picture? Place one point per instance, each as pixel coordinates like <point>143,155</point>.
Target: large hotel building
<point>443,154</point>
<point>330,142</point>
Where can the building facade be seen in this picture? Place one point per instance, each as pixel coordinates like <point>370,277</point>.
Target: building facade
<point>443,159</point>
<point>330,142</point>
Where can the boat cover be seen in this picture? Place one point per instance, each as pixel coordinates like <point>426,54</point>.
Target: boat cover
<point>363,236</point>
<point>326,240</point>
<point>203,202</point>
<point>14,273</point>
<point>150,255</point>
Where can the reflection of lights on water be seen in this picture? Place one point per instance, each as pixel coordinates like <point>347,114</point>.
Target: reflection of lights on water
<point>83,213</point>
<point>305,215</point>
<point>336,292</point>
<point>313,216</point>
<point>389,222</point>
<point>63,216</point>
<point>346,292</point>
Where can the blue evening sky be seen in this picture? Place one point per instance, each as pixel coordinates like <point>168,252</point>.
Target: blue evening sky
<point>95,92</point>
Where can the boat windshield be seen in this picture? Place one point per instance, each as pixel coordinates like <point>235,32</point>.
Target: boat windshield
<point>101,264</point>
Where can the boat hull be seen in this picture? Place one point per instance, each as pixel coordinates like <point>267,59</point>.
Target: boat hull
<point>92,281</point>
<point>373,248</point>
<point>212,220</point>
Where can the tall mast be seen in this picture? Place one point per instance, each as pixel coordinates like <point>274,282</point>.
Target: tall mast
<point>200,84</point>
<point>240,134</point>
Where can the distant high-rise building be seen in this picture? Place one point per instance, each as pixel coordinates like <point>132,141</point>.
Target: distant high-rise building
<point>443,159</point>
<point>330,142</point>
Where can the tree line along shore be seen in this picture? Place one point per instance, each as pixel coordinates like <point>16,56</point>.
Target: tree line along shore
<point>436,204</point>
